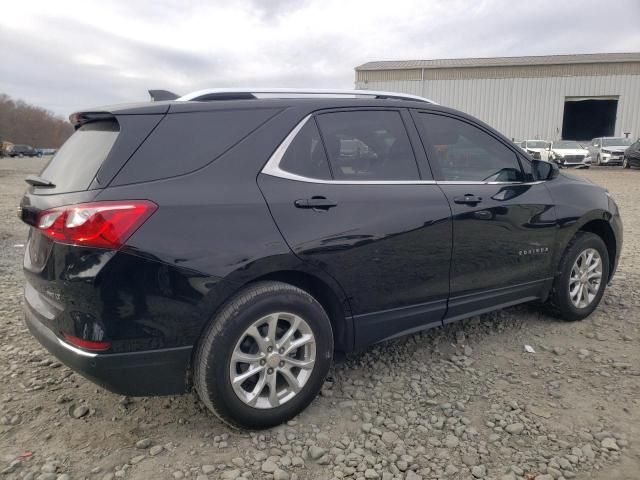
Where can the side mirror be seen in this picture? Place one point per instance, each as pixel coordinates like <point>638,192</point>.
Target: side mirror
<point>544,170</point>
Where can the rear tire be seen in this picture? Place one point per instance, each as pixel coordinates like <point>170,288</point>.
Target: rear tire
<point>253,326</point>
<point>576,267</point>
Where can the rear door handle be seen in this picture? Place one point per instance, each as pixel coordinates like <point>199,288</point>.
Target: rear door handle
<point>468,199</point>
<point>317,203</point>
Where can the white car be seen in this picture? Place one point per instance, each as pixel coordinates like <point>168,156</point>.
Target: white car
<point>608,150</point>
<point>567,153</point>
<point>534,147</point>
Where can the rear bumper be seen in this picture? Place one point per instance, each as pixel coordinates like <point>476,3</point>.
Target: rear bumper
<point>145,373</point>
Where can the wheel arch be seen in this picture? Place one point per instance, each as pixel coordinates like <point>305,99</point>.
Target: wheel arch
<point>335,304</point>
<point>603,229</point>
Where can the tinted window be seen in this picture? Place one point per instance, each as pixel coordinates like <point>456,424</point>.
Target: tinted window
<point>73,167</point>
<point>464,152</point>
<point>185,142</point>
<point>368,145</point>
<point>305,156</point>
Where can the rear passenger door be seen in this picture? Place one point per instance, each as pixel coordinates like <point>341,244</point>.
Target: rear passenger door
<point>503,221</point>
<point>347,193</point>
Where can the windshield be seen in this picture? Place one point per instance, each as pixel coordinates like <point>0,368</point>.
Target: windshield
<point>614,142</point>
<point>567,144</point>
<point>536,144</point>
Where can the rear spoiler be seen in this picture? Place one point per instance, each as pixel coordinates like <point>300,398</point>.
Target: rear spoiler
<point>80,118</point>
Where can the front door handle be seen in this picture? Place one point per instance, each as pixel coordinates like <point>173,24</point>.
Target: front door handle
<point>316,203</point>
<point>468,199</point>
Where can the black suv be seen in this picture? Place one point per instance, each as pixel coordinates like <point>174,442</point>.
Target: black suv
<point>232,243</point>
<point>23,151</point>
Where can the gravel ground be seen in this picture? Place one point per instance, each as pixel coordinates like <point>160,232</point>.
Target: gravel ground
<point>461,402</point>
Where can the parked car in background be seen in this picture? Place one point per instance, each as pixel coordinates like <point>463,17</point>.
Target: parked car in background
<point>534,147</point>
<point>311,225</point>
<point>567,153</point>
<point>608,150</point>
<point>23,151</point>
<point>632,155</point>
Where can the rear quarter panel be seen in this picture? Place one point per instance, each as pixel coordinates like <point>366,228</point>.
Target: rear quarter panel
<point>212,234</point>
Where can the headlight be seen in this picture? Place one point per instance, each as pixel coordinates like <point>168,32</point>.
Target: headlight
<point>558,155</point>
<point>606,152</point>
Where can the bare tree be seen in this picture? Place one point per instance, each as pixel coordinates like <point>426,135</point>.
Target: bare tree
<point>24,123</point>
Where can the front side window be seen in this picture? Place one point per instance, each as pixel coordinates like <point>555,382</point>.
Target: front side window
<point>368,145</point>
<point>305,155</point>
<point>463,152</point>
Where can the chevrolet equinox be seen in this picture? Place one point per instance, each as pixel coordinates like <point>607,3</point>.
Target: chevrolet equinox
<point>232,241</point>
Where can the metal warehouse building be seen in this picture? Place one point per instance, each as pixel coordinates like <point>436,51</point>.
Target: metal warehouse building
<point>575,97</point>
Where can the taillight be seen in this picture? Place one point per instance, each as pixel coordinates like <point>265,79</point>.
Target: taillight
<point>87,344</point>
<point>106,224</point>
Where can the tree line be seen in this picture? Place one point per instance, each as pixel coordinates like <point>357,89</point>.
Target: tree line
<point>21,123</point>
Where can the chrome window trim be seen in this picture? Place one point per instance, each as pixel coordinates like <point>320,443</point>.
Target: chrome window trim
<point>272,168</point>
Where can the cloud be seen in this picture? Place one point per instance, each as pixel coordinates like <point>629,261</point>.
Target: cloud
<point>65,55</point>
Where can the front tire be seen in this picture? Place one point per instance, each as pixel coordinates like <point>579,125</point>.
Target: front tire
<point>599,160</point>
<point>264,357</point>
<point>625,163</point>
<point>583,275</point>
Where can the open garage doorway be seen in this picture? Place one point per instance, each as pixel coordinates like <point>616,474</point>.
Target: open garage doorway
<point>586,118</point>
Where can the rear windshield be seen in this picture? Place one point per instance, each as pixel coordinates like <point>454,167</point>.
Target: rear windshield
<point>75,165</point>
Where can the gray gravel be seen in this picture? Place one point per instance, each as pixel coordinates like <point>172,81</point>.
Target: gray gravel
<point>463,402</point>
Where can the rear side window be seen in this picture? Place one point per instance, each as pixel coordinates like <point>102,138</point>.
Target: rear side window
<point>305,156</point>
<point>368,145</point>
<point>75,165</point>
<point>463,152</point>
<point>185,142</point>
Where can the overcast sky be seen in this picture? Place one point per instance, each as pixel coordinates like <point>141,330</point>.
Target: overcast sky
<point>66,55</point>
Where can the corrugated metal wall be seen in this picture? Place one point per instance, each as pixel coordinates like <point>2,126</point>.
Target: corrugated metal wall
<point>524,108</point>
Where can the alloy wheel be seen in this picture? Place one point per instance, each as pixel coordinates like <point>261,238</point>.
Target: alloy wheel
<point>272,360</point>
<point>585,279</point>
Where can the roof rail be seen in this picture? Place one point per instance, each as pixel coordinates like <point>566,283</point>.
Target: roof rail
<point>250,93</point>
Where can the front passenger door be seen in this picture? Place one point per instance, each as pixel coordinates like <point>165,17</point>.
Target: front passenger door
<point>503,222</point>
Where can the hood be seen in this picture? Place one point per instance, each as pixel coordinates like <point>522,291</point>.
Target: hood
<point>532,149</point>
<point>570,151</point>
<point>616,148</point>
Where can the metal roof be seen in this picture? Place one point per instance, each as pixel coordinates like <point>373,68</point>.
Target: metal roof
<point>502,61</point>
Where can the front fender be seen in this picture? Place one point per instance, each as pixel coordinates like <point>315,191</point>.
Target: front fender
<point>579,205</point>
